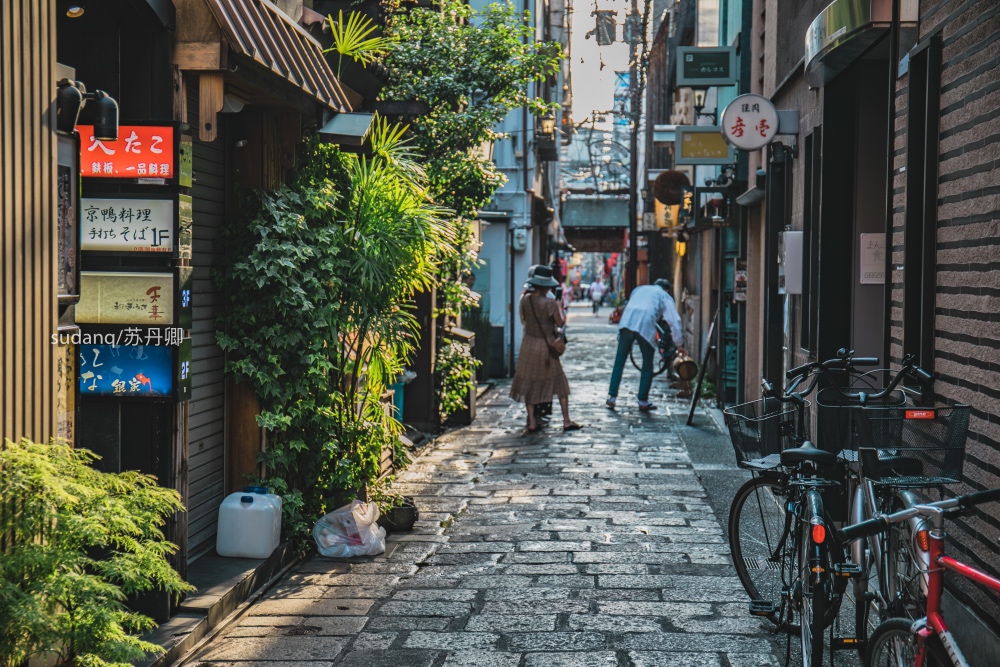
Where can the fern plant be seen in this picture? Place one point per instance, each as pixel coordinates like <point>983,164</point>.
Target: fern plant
<point>76,543</point>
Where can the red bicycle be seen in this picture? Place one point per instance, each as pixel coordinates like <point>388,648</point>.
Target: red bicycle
<point>926,642</point>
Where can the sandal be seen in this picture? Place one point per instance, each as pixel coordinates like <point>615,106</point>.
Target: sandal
<point>573,426</point>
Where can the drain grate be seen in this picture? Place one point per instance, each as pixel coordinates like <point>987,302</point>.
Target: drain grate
<point>761,564</point>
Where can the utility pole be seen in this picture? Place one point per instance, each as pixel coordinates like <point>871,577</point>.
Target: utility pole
<point>638,64</point>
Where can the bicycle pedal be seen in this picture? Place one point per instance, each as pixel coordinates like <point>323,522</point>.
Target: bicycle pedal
<point>847,569</point>
<point>762,607</point>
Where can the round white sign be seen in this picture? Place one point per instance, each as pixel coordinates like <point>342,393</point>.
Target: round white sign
<point>749,122</point>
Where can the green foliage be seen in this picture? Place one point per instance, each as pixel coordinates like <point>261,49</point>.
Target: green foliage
<point>457,369</point>
<point>472,68</point>
<point>316,320</point>
<point>353,39</point>
<point>78,541</point>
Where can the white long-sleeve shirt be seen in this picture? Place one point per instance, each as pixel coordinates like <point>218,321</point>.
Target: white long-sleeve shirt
<point>647,305</point>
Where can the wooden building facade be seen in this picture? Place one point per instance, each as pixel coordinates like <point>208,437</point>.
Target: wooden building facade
<point>28,205</point>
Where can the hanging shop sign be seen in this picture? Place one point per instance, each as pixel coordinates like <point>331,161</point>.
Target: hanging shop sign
<point>702,144</point>
<point>145,153</point>
<point>872,259</point>
<point>705,207</point>
<point>126,298</point>
<point>68,221</point>
<point>128,225</point>
<point>127,371</point>
<point>749,122</point>
<point>706,66</point>
<point>740,279</point>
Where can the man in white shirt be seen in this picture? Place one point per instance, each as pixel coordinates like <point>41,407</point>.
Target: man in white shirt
<point>597,290</point>
<point>646,306</point>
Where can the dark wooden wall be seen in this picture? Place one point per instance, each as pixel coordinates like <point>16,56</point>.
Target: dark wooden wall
<point>28,308</point>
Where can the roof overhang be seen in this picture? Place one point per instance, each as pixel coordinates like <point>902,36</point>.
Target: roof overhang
<point>265,48</point>
<point>349,129</point>
<point>845,30</point>
<point>595,212</point>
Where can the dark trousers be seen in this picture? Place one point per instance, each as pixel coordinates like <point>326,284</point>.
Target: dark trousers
<point>626,337</point>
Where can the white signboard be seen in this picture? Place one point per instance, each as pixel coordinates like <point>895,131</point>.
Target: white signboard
<point>872,259</point>
<point>749,122</point>
<point>127,225</point>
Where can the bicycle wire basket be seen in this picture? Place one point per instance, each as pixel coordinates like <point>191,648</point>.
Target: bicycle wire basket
<point>913,447</point>
<point>760,430</point>
<point>837,416</point>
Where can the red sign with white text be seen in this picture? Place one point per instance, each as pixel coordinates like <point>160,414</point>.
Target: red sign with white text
<point>141,151</point>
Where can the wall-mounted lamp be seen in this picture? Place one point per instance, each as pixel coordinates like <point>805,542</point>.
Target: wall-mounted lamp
<point>241,143</point>
<point>699,95</point>
<point>72,96</point>
<point>548,124</point>
<point>75,11</point>
<point>644,193</point>
<point>545,139</point>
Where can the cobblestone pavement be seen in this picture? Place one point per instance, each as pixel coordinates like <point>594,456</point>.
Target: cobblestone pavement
<point>592,548</point>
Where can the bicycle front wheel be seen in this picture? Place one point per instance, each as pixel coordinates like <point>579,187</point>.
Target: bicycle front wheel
<point>759,542</point>
<point>659,361</point>
<point>892,645</point>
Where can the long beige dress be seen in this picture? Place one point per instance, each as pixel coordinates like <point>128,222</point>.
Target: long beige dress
<point>539,376</point>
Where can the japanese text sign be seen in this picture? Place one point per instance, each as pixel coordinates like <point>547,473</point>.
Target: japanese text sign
<point>872,259</point>
<point>749,122</point>
<point>706,66</point>
<point>701,144</point>
<point>141,151</point>
<point>126,371</point>
<point>127,225</point>
<point>126,298</point>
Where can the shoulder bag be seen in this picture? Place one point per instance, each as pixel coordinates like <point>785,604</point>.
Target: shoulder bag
<point>558,344</point>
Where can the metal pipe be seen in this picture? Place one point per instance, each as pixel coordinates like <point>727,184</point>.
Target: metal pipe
<point>890,149</point>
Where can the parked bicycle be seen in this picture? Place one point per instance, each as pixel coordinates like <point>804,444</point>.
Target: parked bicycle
<point>903,642</point>
<point>769,538</point>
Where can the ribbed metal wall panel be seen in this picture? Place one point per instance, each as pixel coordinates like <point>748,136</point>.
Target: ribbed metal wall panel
<point>206,420</point>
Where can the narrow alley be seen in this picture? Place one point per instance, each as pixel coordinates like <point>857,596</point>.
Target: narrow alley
<point>593,548</point>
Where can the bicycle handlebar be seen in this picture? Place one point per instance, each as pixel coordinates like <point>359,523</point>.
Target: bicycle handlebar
<point>882,523</point>
<point>831,364</point>
<point>843,362</point>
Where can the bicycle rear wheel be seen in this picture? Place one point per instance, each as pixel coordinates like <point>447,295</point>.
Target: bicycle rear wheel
<point>759,542</point>
<point>814,605</point>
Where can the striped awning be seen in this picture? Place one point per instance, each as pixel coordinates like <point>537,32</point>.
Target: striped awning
<point>259,30</point>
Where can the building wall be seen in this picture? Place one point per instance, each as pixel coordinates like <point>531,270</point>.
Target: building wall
<point>27,217</point>
<point>967,295</point>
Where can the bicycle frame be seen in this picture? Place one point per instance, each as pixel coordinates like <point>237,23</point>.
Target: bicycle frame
<point>934,623</point>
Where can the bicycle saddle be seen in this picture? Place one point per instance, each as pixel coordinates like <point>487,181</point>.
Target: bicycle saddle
<point>807,452</point>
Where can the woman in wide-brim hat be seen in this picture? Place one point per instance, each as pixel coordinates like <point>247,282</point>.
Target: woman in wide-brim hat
<point>539,375</point>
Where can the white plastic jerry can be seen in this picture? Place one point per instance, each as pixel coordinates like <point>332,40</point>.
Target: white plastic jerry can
<point>249,524</point>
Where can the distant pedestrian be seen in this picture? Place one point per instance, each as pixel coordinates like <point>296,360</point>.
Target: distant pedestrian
<point>646,306</point>
<point>539,375</point>
<point>597,290</point>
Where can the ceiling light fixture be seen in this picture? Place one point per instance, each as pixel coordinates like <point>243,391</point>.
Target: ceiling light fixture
<point>75,11</point>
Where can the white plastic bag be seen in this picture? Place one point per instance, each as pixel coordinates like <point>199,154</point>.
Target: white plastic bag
<point>350,531</point>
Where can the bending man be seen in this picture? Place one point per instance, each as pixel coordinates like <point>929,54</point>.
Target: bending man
<point>646,306</point>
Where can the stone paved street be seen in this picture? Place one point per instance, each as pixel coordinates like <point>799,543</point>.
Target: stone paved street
<point>595,548</point>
